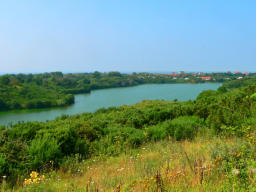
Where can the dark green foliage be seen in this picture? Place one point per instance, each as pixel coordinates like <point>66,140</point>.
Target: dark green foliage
<point>3,105</point>
<point>43,149</point>
<point>205,102</point>
<point>156,132</point>
<point>184,127</point>
<point>69,99</point>
<point>229,85</point>
<point>3,164</point>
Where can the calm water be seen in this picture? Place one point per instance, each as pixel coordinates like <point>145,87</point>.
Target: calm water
<point>111,97</point>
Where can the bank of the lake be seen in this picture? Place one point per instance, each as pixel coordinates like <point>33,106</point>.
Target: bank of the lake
<point>105,98</point>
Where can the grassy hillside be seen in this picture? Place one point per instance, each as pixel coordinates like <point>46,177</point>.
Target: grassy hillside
<point>204,164</point>
<point>218,127</point>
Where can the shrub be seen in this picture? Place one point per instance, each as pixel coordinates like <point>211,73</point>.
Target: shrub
<point>156,132</point>
<point>43,150</point>
<point>136,138</point>
<point>3,164</point>
<point>69,99</point>
<point>184,127</point>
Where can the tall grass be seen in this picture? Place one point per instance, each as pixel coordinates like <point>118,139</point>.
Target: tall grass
<point>167,165</point>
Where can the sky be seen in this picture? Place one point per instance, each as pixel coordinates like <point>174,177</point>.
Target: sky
<point>127,35</point>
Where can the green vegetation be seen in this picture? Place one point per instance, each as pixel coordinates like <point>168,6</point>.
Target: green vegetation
<point>211,142</point>
<point>199,165</point>
<point>56,89</point>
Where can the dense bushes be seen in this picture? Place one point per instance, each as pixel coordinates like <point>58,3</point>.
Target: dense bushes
<point>184,127</point>
<point>107,132</point>
<point>43,149</point>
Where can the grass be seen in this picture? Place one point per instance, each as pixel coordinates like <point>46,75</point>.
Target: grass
<point>161,166</point>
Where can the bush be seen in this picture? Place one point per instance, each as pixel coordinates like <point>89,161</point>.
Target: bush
<point>184,127</point>
<point>69,99</point>
<point>156,132</point>
<point>136,138</point>
<point>3,164</point>
<point>42,150</point>
<point>126,136</point>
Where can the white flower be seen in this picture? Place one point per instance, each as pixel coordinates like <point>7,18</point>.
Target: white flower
<point>235,171</point>
<point>121,169</point>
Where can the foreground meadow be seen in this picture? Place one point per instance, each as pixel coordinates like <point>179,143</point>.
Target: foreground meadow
<point>205,164</point>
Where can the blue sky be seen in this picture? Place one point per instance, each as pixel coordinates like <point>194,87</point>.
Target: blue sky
<point>127,35</point>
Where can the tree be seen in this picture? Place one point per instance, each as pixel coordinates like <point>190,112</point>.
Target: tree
<point>114,74</point>
<point>3,105</point>
<point>5,79</point>
<point>96,74</point>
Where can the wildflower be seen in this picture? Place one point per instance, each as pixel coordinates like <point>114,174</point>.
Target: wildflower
<point>27,181</point>
<point>217,160</point>
<point>33,174</point>
<point>235,171</point>
<point>239,154</point>
<point>34,178</point>
<point>121,169</point>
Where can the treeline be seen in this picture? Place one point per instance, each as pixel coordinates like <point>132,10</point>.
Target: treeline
<point>39,146</point>
<point>57,89</point>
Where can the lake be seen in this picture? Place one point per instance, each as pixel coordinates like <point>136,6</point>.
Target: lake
<point>111,97</point>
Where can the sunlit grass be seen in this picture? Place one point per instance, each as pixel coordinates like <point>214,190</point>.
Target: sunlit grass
<point>161,166</point>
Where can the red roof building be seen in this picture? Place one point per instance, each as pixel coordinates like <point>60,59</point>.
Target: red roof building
<point>206,78</point>
<point>174,74</point>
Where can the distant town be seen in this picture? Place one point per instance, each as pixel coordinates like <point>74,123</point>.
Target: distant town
<point>197,76</point>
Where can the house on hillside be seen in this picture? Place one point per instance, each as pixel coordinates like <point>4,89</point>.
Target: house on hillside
<point>206,78</point>
<point>174,74</point>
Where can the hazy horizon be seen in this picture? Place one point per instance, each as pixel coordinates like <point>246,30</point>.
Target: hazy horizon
<point>126,72</point>
<point>126,36</point>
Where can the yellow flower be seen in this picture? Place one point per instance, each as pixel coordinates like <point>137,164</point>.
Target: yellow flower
<point>33,174</point>
<point>239,154</point>
<point>34,178</point>
<point>27,181</point>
